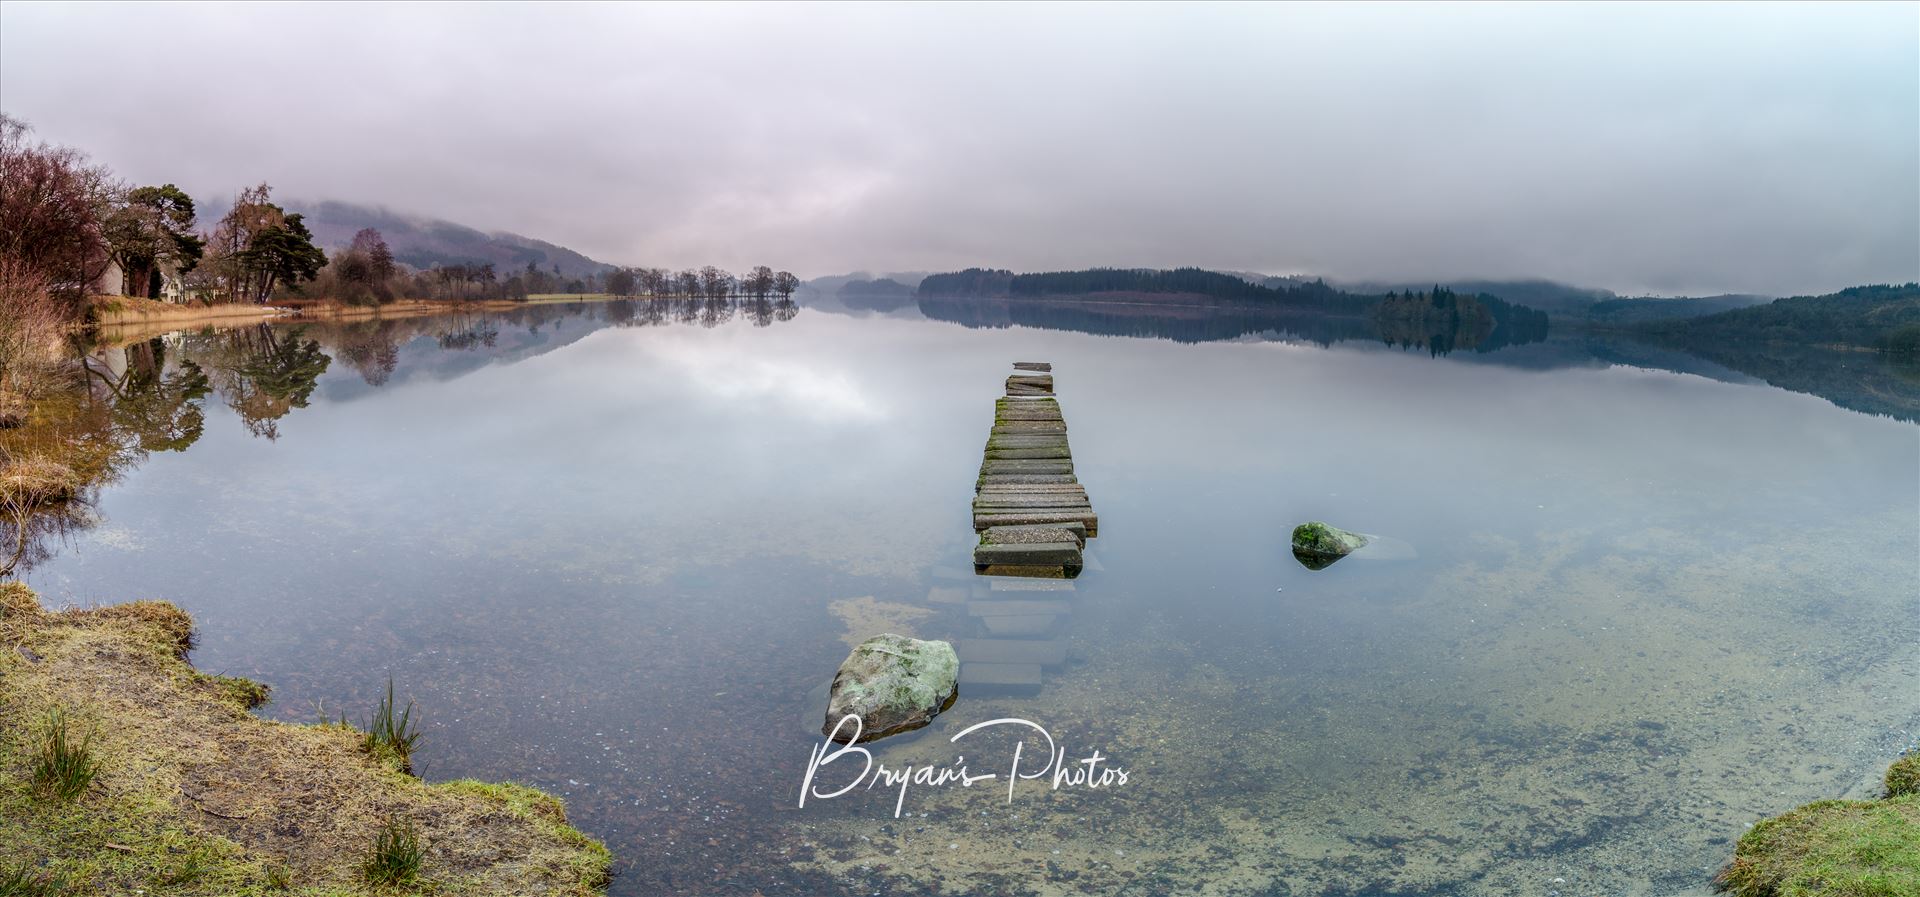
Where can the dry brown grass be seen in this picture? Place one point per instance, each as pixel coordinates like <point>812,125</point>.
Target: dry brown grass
<point>33,327</point>
<point>36,481</point>
<point>194,786</point>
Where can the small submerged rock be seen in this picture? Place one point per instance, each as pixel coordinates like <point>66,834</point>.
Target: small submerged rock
<point>1317,545</point>
<point>894,684</point>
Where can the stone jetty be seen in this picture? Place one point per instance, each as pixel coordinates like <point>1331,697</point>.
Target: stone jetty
<point>1031,512</point>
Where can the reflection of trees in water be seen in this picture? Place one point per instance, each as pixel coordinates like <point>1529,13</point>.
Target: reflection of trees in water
<point>1181,323</point>
<point>371,349</point>
<point>159,408</point>
<point>1213,320</point>
<point>116,404</point>
<point>703,311</point>
<point>108,411</point>
<point>263,373</point>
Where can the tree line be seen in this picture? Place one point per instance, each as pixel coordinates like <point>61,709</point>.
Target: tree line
<point>66,222</point>
<point>995,283</point>
<point>1879,316</point>
<point>709,283</point>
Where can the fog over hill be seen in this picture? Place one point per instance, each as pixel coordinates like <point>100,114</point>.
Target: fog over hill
<point>423,242</point>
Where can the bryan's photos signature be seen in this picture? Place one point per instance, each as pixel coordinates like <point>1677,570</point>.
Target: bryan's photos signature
<point>1090,772</point>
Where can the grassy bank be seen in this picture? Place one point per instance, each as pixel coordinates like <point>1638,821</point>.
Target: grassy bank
<point>130,311</point>
<point>121,320</point>
<point>1836,848</point>
<point>125,771</point>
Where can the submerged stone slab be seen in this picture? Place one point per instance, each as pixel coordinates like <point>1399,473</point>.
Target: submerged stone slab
<point>1013,501</point>
<point>1027,427</point>
<point>894,684</point>
<point>1014,585</point>
<point>1025,479</point>
<point>1042,440</point>
<point>1033,517</point>
<point>1030,453</point>
<point>1038,554</point>
<point>1000,677</point>
<point>1026,468</point>
<point>1017,608</point>
<point>1054,573</point>
<point>1028,625</point>
<point>1032,366</point>
<point>1043,652</point>
<point>1013,535</point>
<point>946,595</point>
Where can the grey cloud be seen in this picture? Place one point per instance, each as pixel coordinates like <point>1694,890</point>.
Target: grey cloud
<point>1757,148</point>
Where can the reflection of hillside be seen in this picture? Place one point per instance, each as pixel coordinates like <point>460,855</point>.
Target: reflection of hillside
<point>1867,382</point>
<point>1859,381</point>
<point>1192,319</point>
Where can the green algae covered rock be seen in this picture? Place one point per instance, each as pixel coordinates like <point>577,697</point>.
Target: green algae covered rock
<point>1317,545</point>
<point>894,684</point>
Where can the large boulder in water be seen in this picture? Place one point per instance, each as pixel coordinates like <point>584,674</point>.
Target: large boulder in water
<point>1317,545</point>
<point>894,684</point>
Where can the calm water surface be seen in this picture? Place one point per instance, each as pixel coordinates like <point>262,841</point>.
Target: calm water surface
<point>620,562</point>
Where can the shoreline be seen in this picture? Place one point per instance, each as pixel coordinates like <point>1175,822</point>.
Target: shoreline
<point>121,319</point>
<point>191,790</point>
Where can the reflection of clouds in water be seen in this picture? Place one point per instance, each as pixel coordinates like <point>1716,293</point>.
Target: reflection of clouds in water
<point>804,386</point>
<point>119,538</point>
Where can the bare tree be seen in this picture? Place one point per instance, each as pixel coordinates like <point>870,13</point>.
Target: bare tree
<point>620,282</point>
<point>51,203</point>
<point>759,282</point>
<point>715,283</point>
<point>785,283</point>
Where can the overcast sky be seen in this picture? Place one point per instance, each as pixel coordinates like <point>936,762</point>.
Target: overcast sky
<point>1753,148</point>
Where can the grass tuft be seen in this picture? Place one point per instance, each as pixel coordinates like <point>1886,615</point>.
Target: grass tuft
<point>393,734</point>
<point>396,855</point>
<point>64,769</point>
<point>1903,777</point>
<point>21,880</point>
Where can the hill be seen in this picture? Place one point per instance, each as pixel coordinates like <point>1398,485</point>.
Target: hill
<point>1439,319</point>
<point>1622,312</point>
<point>1864,317</point>
<point>420,242</point>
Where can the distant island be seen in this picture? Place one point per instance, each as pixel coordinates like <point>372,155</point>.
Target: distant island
<point>1438,319</point>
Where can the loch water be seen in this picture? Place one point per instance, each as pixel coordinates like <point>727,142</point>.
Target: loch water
<point>616,550</point>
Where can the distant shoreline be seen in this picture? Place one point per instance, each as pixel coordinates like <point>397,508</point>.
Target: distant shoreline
<point>125,318</point>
